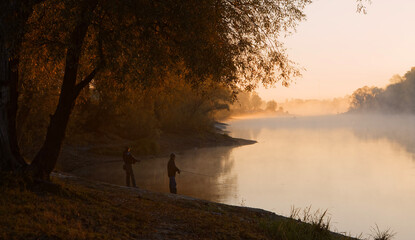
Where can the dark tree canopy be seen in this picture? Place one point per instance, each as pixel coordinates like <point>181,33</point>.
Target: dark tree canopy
<point>235,42</point>
<point>70,43</point>
<point>66,46</point>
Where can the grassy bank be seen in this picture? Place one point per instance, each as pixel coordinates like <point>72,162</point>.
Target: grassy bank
<point>75,208</point>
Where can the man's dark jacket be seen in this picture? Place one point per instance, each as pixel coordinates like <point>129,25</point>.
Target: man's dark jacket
<point>128,158</point>
<point>171,168</point>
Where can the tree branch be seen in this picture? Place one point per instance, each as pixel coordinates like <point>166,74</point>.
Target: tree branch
<point>88,79</point>
<point>85,81</point>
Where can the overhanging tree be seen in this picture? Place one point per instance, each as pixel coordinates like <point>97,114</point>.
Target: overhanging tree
<point>232,42</point>
<point>13,18</point>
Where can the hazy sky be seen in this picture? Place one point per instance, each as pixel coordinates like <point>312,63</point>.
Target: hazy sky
<point>342,50</point>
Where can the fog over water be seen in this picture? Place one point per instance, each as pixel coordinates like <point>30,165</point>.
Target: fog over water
<point>360,168</point>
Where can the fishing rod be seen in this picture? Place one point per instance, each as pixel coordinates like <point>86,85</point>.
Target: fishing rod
<point>205,175</point>
<point>201,174</point>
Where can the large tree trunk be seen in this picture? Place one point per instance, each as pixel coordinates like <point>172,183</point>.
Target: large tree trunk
<point>12,109</point>
<point>14,15</point>
<point>10,158</point>
<point>45,160</point>
<point>7,160</point>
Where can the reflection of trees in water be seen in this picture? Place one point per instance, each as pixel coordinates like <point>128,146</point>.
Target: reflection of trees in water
<point>247,129</point>
<point>214,179</point>
<point>220,182</point>
<point>397,129</point>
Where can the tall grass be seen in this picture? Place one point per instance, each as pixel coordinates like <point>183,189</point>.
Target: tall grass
<point>302,224</point>
<point>319,219</point>
<point>313,225</point>
<point>378,234</point>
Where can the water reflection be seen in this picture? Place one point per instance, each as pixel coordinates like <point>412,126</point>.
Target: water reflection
<point>399,129</point>
<point>359,168</point>
<point>207,174</point>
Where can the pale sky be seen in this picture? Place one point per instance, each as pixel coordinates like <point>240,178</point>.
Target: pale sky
<point>342,50</point>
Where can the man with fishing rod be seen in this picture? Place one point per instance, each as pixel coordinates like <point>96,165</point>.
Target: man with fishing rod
<point>171,171</point>
<point>129,160</point>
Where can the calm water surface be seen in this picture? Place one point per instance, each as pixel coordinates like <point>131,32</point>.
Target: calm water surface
<point>362,169</point>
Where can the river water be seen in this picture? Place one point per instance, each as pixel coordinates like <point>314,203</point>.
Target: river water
<point>361,169</point>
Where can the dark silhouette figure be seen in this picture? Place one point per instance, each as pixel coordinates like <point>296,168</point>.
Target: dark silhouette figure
<point>171,170</point>
<point>129,160</point>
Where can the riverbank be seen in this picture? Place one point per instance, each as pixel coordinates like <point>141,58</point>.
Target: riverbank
<point>92,149</point>
<point>76,208</point>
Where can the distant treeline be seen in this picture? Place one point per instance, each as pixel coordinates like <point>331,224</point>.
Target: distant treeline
<point>248,103</point>
<point>397,97</point>
<point>308,107</point>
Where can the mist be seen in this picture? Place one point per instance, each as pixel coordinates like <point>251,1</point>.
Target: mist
<point>349,163</point>
<point>251,105</point>
<point>398,97</point>
<point>313,107</point>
